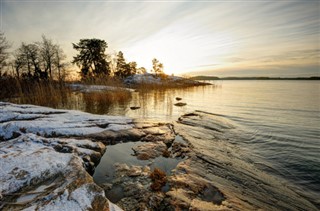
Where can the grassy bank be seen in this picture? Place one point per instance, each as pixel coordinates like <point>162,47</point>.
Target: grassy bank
<point>44,93</point>
<point>58,94</point>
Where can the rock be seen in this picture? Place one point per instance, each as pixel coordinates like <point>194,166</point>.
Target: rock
<point>106,186</point>
<point>47,156</point>
<point>43,167</point>
<point>179,150</point>
<point>113,137</point>
<point>180,104</point>
<point>149,150</point>
<point>136,192</point>
<point>162,133</point>
<point>178,98</point>
<point>134,107</point>
<point>49,122</point>
<point>217,176</point>
<point>30,162</point>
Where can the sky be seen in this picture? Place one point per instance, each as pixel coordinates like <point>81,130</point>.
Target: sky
<point>217,38</point>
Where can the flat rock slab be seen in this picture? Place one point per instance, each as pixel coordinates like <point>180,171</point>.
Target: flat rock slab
<point>47,122</point>
<point>218,173</point>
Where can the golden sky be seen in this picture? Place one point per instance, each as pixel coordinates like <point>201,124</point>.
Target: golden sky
<point>221,38</point>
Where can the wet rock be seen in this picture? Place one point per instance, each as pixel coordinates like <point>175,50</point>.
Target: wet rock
<point>106,186</point>
<point>63,149</point>
<point>131,188</point>
<point>180,104</point>
<point>179,150</point>
<point>162,132</point>
<point>216,177</point>
<point>113,137</point>
<point>134,107</point>
<point>149,150</point>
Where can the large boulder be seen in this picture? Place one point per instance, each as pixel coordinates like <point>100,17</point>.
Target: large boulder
<point>35,176</point>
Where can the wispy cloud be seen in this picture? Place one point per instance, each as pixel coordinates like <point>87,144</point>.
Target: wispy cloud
<point>185,35</point>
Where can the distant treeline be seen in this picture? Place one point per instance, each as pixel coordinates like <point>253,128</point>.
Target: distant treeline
<point>253,78</point>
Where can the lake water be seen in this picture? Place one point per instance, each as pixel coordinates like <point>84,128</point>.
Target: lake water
<point>277,122</point>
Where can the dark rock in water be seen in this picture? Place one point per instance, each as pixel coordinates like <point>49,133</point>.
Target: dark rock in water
<point>134,107</point>
<point>178,98</point>
<point>180,104</point>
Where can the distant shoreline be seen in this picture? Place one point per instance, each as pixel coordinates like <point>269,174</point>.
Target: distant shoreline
<point>252,78</point>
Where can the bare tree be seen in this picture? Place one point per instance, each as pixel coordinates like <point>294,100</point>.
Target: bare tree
<point>4,55</point>
<point>47,53</point>
<point>27,60</point>
<point>59,62</point>
<point>157,67</point>
<point>39,60</point>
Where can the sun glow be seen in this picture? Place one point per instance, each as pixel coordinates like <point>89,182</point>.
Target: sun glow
<point>181,51</point>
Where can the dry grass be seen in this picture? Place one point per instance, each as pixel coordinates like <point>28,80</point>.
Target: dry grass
<point>108,81</point>
<point>104,102</point>
<point>59,94</point>
<point>44,93</point>
<point>107,97</point>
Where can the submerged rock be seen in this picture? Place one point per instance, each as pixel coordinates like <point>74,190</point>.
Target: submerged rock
<point>134,107</point>
<point>180,104</point>
<point>149,150</point>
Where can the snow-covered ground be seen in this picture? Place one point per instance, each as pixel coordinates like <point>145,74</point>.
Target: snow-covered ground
<point>47,155</point>
<point>148,78</point>
<point>97,88</point>
<point>52,122</point>
<point>45,158</point>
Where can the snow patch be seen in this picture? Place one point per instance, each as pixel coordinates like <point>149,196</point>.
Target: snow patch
<point>55,122</point>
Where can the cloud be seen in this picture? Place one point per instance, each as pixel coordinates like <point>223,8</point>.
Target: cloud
<point>185,36</point>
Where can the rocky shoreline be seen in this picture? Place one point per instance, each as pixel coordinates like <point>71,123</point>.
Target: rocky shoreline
<point>48,157</point>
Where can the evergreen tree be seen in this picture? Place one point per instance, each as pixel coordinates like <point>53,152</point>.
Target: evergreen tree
<point>91,58</point>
